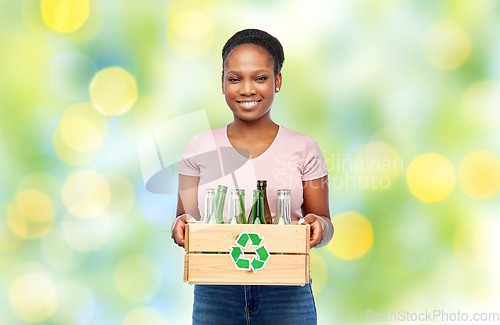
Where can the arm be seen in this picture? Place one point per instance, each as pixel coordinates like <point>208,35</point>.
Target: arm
<point>187,206</point>
<point>316,211</point>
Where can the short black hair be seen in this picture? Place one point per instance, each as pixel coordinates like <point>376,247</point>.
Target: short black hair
<point>256,37</point>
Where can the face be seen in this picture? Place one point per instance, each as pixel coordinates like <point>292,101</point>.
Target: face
<point>249,83</point>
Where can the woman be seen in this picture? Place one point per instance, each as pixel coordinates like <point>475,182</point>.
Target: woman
<point>251,76</point>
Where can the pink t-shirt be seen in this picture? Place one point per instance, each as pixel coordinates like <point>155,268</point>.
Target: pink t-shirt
<point>291,158</point>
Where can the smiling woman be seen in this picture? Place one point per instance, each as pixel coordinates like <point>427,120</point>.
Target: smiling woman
<point>251,77</point>
<point>248,82</point>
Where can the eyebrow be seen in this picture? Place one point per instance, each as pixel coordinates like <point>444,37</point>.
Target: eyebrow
<point>236,71</point>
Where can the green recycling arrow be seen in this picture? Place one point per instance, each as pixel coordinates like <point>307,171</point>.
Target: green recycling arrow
<point>263,253</point>
<point>255,238</point>
<point>243,264</point>
<point>259,260</point>
<point>257,265</point>
<point>242,240</point>
<point>236,252</point>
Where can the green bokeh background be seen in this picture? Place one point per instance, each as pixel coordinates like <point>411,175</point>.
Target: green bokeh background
<point>355,72</point>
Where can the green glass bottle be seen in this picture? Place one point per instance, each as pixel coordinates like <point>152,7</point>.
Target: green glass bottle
<point>257,214</point>
<point>262,185</point>
<point>217,214</point>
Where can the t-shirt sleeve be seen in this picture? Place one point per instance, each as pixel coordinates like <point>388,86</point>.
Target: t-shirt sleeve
<point>189,165</point>
<point>314,163</point>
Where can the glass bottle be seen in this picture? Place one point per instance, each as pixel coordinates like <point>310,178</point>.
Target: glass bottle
<point>217,214</point>
<point>257,213</point>
<point>209,204</point>
<point>236,212</point>
<point>262,185</point>
<point>283,208</point>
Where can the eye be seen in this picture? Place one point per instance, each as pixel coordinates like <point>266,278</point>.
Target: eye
<point>231,79</point>
<point>261,78</point>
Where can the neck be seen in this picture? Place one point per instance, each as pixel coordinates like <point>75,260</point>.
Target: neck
<point>253,128</point>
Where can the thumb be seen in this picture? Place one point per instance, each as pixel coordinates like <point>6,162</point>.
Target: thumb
<point>308,219</point>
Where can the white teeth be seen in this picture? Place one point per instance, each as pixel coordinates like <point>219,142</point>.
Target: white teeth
<point>249,103</point>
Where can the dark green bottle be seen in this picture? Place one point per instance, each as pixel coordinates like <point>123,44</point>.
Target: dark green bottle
<point>257,214</point>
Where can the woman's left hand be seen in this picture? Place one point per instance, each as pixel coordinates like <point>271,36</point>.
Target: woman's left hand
<point>316,228</point>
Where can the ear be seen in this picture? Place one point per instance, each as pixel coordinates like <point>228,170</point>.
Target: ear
<point>222,82</point>
<point>278,81</point>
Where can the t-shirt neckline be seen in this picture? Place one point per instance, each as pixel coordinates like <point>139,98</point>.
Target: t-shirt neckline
<point>262,154</point>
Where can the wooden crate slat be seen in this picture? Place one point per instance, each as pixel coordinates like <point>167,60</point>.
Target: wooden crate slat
<point>219,238</point>
<point>186,238</point>
<point>219,269</point>
<point>308,263</point>
<point>186,267</point>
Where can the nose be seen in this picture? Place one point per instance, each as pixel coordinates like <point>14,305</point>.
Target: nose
<point>247,88</point>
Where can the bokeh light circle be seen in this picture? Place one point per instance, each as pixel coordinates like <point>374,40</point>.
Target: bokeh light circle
<point>8,239</point>
<point>77,304</point>
<point>86,234</point>
<point>400,140</point>
<point>190,33</point>
<point>149,110</point>
<point>378,164</point>
<point>137,277</point>
<point>319,271</point>
<point>58,253</point>
<point>64,16</point>
<point>86,194</point>
<point>446,46</point>
<point>32,214</point>
<point>430,177</point>
<point>122,197</point>
<point>35,205</point>
<point>353,235</point>
<point>92,26</point>
<point>46,184</point>
<point>113,91</point>
<point>80,134</point>
<point>144,315</point>
<point>481,104</point>
<point>33,297</point>
<point>479,175</point>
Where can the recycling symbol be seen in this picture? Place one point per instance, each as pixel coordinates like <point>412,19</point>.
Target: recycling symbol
<point>260,258</point>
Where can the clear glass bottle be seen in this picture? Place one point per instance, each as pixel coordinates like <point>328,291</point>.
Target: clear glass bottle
<point>216,216</point>
<point>257,214</point>
<point>236,211</point>
<point>283,208</point>
<point>209,204</point>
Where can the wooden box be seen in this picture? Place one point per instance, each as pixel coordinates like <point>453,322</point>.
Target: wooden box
<point>247,254</point>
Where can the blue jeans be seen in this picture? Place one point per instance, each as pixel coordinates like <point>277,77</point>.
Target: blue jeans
<point>252,304</point>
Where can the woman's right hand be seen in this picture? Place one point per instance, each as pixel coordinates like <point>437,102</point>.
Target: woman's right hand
<point>179,227</point>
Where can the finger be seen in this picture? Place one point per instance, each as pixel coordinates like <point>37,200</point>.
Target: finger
<point>316,233</point>
<point>311,219</point>
<point>308,219</point>
<point>178,233</point>
<point>188,218</point>
<point>179,242</point>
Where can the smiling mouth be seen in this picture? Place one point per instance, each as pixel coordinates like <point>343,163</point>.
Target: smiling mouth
<point>248,103</point>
